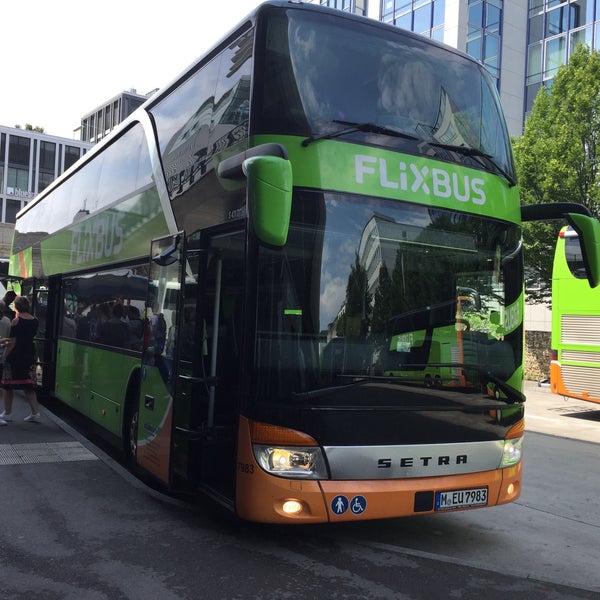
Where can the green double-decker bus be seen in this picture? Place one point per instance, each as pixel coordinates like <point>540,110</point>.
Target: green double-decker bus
<point>247,284</point>
<point>575,354</point>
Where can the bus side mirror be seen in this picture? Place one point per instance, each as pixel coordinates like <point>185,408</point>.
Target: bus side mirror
<point>588,230</point>
<point>581,220</point>
<point>269,197</point>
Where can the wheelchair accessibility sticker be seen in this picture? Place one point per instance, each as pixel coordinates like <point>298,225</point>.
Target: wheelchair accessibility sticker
<point>357,506</point>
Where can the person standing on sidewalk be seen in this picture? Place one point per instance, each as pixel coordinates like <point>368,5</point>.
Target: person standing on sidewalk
<point>4,333</point>
<point>19,360</point>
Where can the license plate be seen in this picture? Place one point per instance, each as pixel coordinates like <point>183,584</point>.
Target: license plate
<point>461,498</point>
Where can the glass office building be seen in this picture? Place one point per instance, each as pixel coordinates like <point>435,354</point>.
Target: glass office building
<point>522,43</point>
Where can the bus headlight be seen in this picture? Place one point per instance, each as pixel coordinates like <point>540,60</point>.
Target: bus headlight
<point>292,462</point>
<point>513,450</point>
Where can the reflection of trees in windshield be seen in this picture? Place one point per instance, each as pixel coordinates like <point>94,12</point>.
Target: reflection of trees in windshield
<point>414,289</point>
<point>356,317</point>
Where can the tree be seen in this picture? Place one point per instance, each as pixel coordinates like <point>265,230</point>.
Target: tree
<point>382,303</point>
<point>30,127</point>
<point>558,158</point>
<point>356,320</point>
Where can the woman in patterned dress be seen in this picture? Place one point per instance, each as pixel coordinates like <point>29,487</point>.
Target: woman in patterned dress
<point>19,360</point>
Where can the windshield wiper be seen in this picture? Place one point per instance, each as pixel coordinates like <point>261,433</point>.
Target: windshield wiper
<point>482,157</point>
<point>513,396</point>
<point>351,127</point>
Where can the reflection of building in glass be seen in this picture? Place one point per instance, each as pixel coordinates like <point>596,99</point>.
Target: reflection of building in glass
<point>450,126</point>
<point>212,129</point>
<point>379,244</point>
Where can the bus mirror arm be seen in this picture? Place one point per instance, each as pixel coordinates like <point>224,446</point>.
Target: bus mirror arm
<point>232,167</point>
<point>552,210</point>
<point>582,221</point>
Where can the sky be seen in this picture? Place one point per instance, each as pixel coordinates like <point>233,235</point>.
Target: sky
<point>64,58</point>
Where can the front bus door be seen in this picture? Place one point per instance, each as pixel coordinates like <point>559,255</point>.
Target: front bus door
<point>209,354</point>
<point>189,385</point>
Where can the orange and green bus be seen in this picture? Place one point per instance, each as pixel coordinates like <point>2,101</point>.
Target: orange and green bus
<point>575,354</point>
<point>219,276</point>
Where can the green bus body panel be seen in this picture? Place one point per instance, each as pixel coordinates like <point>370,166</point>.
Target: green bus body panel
<point>353,168</point>
<point>574,297</point>
<point>94,382</point>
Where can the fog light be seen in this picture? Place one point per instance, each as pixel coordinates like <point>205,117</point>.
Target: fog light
<point>292,507</point>
<point>510,490</point>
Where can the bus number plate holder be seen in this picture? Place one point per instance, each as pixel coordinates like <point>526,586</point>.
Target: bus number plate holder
<point>456,499</point>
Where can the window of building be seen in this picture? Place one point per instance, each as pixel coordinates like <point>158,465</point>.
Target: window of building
<point>45,179</point>
<point>358,7</point>
<point>421,16</point>
<point>18,150</point>
<point>18,179</point>
<point>557,20</point>
<point>536,28</point>
<point>108,122</point>
<point>580,36</point>
<point>422,19</point>
<point>475,42</point>
<point>439,13</point>
<point>476,13</point>
<point>12,208</point>
<point>72,154</point>
<point>534,63</point>
<point>555,55</point>
<point>484,31</point>
<point>47,155</point>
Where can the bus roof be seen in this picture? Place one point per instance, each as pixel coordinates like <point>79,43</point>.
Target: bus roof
<point>246,23</point>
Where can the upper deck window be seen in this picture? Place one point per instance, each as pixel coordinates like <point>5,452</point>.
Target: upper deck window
<point>321,73</point>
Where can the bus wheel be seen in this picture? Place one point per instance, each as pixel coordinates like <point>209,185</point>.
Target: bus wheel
<point>428,381</point>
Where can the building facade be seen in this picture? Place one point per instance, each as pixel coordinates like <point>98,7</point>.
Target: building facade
<point>103,119</point>
<point>522,43</point>
<point>29,162</point>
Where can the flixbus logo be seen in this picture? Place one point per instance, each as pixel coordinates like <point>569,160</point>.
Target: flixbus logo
<point>97,239</point>
<point>418,179</point>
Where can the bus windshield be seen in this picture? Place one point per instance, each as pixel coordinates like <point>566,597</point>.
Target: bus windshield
<point>410,90</point>
<point>384,288</point>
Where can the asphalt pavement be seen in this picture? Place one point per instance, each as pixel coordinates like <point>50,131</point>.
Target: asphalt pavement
<point>551,414</point>
<point>100,533</point>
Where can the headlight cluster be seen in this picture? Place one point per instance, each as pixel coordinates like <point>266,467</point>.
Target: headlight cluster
<point>513,450</point>
<point>292,462</point>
